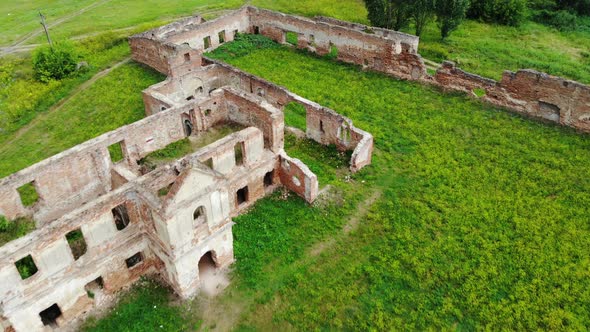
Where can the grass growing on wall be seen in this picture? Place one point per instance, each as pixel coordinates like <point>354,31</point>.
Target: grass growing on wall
<point>13,229</point>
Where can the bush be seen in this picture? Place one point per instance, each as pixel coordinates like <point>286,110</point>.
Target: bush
<point>3,224</point>
<point>54,63</point>
<point>507,12</point>
<point>562,20</point>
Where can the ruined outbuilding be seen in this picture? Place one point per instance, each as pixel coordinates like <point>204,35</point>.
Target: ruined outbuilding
<point>136,221</point>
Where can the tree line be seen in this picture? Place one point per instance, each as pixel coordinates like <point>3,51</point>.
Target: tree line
<point>398,14</point>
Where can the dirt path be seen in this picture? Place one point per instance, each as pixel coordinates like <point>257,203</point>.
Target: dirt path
<point>352,224</point>
<point>57,22</point>
<point>18,134</point>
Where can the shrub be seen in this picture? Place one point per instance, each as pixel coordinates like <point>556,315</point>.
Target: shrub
<point>562,20</point>
<point>3,224</point>
<point>54,63</point>
<point>507,12</point>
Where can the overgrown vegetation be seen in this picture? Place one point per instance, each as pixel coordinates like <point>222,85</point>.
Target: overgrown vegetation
<point>146,307</point>
<point>26,267</point>
<point>13,229</point>
<point>54,63</point>
<point>28,194</point>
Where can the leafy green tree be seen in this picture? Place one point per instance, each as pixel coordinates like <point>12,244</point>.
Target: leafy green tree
<point>450,14</point>
<point>54,63</point>
<point>507,12</point>
<point>389,14</point>
<point>582,7</point>
<point>422,12</point>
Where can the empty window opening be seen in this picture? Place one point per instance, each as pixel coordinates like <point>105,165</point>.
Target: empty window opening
<point>165,190</point>
<point>333,51</point>
<point>116,152</point>
<point>209,163</point>
<point>366,62</point>
<point>291,38</point>
<point>256,30</point>
<point>187,57</point>
<point>479,92</point>
<point>163,108</point>
<point>28,194</point>
<point>121,217</point>
<point>235,33</point>
<point>207,42</point>
<point>134,260</point>
<point>312,39</point>
<point>260,92</point>
<point>239,153</point>
<point>207,112</point>
<point>199,214</point>
<point>199,90</point>
<point>322,127</point>
<point>295,116</point>
<point>50,315</point>
<point>268,178</point>
<point>221,36</point>
<point>94,287</point>
<point>26,267</point>
<point>190,98</point>
<point>344,134</point>
<point>188,127</point>
<point>77,243</point>
<point>549,111</point>
<point>242,195</point>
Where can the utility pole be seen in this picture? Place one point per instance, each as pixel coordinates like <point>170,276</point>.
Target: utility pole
<point>46,31</point>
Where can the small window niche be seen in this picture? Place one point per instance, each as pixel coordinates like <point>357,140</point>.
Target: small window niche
<point>207,42</point>
<point>235,33</point>
<point>207,112</point>
<point>77,243</point>
<point>242,195</point>
<point>187,57</point>
<point>256,30</point>
<point>94,287</point>
<point>209,162</point>
<point>50,315</point>
<point>199,214</point>
<point>134,260</point>
<point>221,36</point>
<point>116,152</point>
<point>26,267</point>
<point>269,179</point>
<point>121,217</point>
<point>239,153</point>
<point>28,194</point>
<point>322,130</point>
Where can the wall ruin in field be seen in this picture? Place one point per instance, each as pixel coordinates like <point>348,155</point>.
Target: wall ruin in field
<point>130,228</point>
<point>134,220</point>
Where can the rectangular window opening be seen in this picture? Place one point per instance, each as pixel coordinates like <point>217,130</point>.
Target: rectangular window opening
<point>77,243</point>
<point>50,315</point>
<point>291,38</point>
<point>134,260</point>
<point>121,216</point>
<point>268,179</point>
<point>242,195</point>
<point>256,30</point>
<point>187,57</point>
<point>207,42</point>
<point>26,267</point>
<point>165,190</point>
<point>28,194</point>
<point>239,153</point>
<point>322,127</point>
<point>94,287</point>
<point>116,152</point>
<point>209,163</point>
<point>221,35</point>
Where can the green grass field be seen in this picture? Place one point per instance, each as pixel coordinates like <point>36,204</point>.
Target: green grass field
<point>469,218</point>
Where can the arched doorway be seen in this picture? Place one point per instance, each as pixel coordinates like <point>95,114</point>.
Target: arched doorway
<point>211,278</point>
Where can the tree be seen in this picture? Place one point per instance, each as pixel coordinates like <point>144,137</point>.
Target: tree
<point>507,12</point>
<point>389,14</point>
<point>54,63</point>
<point>450,14</point>
<point>422,13</point>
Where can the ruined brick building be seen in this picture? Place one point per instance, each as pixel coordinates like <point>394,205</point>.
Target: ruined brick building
<point>130,228</point>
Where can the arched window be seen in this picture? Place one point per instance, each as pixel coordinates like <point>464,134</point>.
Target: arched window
<point>199,214</point>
